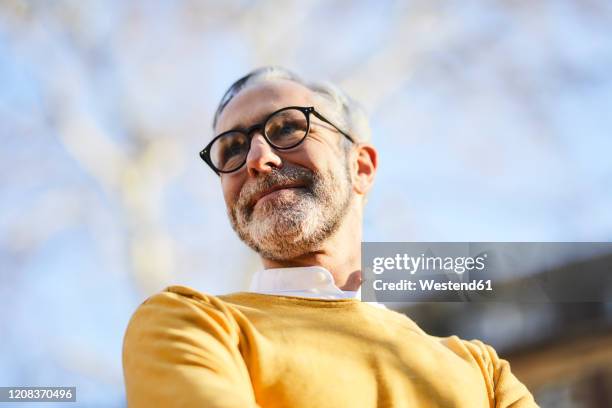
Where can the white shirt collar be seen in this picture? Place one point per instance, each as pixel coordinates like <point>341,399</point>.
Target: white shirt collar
<point>304,281</point>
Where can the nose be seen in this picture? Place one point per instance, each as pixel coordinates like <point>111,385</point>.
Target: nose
<point>261,157</point>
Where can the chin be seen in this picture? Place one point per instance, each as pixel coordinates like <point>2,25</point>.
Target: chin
<point>285,253</point>
<point>283,242</point>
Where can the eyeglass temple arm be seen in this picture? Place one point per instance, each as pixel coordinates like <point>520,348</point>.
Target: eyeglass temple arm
<point>318,115</point>
<point>205,155</point>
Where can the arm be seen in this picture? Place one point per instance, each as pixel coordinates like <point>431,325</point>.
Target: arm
<point>506,389</point>
<point>183,352</point>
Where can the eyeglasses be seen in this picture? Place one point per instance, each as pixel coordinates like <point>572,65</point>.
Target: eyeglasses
<point>283,129</point>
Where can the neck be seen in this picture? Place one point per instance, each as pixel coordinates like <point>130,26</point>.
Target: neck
<point>340,254</point>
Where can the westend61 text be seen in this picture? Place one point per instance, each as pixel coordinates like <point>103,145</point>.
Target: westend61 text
<point>430,284</point>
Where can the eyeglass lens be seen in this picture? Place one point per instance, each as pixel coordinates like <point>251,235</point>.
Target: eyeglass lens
<point>285,129</point>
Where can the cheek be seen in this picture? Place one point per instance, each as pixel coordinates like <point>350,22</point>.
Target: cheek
<point>231,189</point>
<point>314,156</point>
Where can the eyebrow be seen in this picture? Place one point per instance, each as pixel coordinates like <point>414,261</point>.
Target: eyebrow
<point>240,125</point>
<point>260,118</point>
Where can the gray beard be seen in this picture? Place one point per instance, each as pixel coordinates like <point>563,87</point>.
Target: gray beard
<point>298,221</point>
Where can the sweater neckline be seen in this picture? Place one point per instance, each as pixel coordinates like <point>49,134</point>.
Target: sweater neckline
<point>284,299</point>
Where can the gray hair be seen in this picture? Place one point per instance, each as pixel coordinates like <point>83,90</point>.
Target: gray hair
<point>350,116</point>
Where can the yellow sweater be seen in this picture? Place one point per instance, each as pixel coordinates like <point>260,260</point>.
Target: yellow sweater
<point>183,348</point>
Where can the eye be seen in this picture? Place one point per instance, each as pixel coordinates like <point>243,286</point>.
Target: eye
<point>229,150</point>
<point>286,127</point>
<point>233,150</point>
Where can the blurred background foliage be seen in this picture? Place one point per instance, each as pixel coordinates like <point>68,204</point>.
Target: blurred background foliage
<point>492,120</point>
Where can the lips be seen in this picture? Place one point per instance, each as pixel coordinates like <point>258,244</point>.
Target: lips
<point>264,193</point>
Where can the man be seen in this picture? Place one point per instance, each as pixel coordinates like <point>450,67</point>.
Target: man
<point>295,167</point>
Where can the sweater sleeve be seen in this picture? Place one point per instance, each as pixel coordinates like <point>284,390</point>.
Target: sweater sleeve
<point>179,351</point>
<point>506,389</point>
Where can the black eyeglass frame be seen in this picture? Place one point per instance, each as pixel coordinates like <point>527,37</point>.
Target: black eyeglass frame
<point>205,153</point>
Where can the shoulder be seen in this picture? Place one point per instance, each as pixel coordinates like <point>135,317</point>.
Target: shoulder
<point>181,293</point>
<point>181,297</point>
<point>502,385</point>
<point>179,309</point>
<point>474,351</point>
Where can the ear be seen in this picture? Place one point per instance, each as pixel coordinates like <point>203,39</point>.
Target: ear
<point>366,160</point>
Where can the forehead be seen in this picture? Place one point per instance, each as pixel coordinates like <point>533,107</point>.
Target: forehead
<point>255,102</point>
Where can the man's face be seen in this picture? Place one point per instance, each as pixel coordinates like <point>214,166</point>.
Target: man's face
<point>284,223</point>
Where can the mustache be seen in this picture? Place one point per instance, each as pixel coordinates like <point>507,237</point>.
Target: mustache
<point>284,175</point>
